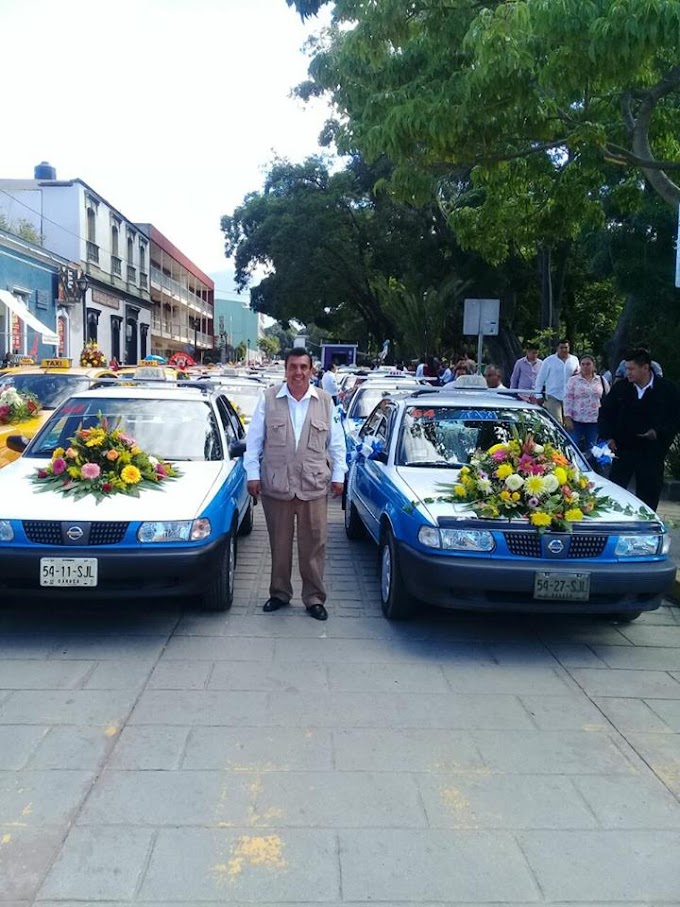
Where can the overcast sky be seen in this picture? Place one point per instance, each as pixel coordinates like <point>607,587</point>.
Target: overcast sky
<point>170,109</point>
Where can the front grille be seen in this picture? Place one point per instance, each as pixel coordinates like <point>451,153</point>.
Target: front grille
<point>528,544</point>
<point>587,545</point>
<point>523,544</point>
<point>49,532</point>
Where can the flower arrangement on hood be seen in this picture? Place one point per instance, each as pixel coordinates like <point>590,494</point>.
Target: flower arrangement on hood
<point>103,461</point>
<point>91,356</point>
<point>16,407</point>
<point>521,479</point>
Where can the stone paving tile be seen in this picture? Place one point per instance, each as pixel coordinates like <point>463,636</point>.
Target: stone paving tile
<point>218,707</point>
<point>27,645</point>
<point>259,749</point>
<point>576,655</point>
<point>415,710</point>
<point>405,750</point>
<point>385,678</point>
<point>623,802</point>
<point>615,865</point>
<point>25,856</point>
<point>105,707</point>
<point>668,710</point>
<point>631,715</point>
<point>627,684</point>
<point>393,865</point>
<point>102,648</point>
<point>662,754</point>
<point>552,753</point>
<point>242,866</point>
<point>37,674</point>
<point>180,675</point>
<point>118,675</point>
<point>648,658</point>
<point>159,798</point>
<point>99,863</point>
<point>149,748</point>
<point>564,713</point>
<point>494,678</point>
<point>191,648</point>
<point>17,745</point>
<point>486,801</point>
<point>35,798</point>
<point>253,675</point>
<point>652,636</point>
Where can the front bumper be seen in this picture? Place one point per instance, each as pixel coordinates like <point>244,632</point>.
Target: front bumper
<point>163,572</point>
<point>483,584</point>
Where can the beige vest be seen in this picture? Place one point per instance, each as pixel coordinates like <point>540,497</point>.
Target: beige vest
<point>287,472</point>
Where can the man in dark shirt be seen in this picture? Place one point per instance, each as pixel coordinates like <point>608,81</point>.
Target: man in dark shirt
<point>640,417</point>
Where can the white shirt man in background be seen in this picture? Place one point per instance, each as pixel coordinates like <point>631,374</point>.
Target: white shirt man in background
<point>328,382</point>
<point>552,378</point>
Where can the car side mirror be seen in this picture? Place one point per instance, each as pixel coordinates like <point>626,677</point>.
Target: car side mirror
<point>237,449</point>
<point>17,443</point>
<point>379,455</point>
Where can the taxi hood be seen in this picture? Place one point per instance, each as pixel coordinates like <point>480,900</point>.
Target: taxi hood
<point>420,483</point>
<point>184,498</point>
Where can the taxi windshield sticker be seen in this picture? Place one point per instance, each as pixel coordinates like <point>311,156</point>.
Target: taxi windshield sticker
<point>476,415</point>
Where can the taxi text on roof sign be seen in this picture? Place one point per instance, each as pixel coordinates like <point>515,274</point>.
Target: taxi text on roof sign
<point>55,363</point>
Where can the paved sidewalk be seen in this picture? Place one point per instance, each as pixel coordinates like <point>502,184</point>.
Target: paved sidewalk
<point>160,757</point>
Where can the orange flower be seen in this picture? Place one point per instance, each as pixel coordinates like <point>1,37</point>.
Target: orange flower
<point>112,455</point>
<point>559,458</point>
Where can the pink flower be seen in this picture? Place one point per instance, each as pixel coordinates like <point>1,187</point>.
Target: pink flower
<point>499,455</point>
<point>532,502</point>
<point>161,470</point>
<point>127,440</point>
<point>90,471</point>
<point>525,462</point>
<point>42,473</point>
<point>58,466</point>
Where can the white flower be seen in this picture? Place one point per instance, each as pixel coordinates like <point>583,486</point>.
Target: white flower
<point>514,482</point>
<point>154,462</point>
<point>550,483</point>
<point>485,486</point>
<point>538,448</point>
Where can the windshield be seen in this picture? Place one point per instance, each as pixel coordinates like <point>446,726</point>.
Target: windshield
<point>169,429</point>
<point>245,398</point>
<point>51,390</point>
<point>366,399</point>
<point>446,436</point>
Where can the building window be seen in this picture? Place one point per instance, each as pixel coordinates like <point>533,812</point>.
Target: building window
<point>131,343</point>
<point>143,341</point>
<point>92,324</point>
<point>116,325</point>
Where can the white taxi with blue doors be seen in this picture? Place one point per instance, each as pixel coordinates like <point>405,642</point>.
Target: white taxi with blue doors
<point>439,552</point>
<point>179,539</point>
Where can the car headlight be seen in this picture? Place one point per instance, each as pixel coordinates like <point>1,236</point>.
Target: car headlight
<point>638,545</point>
<point>456,539</point>
<point>174,531</point>
<point>6,531</point>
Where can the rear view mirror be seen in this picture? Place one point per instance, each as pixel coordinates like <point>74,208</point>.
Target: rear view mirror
<point>237,449</point>
<point>17,443</point>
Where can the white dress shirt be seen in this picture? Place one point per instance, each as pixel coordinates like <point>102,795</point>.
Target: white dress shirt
<point>329,384</point>
<point>337,449</point>
<point>554,374</point>
<point>641,390</point>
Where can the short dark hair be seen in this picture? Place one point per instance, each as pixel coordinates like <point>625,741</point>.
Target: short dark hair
<point>532,345</point>
<point>563,340</point>
<point>639,356</point>
<point>298,351</point>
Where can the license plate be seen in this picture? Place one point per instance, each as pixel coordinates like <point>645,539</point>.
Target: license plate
<point>68,571</point>
<point>556,586</point>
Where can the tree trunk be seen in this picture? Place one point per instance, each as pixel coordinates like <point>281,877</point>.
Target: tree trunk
<point>505,349</point>
<point>620,338</point>
<point>545,276</point>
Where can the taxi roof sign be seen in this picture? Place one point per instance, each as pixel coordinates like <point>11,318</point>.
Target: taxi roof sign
<point>60,362</point>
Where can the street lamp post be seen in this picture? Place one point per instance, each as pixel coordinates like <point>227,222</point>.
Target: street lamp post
<point>83,284</point>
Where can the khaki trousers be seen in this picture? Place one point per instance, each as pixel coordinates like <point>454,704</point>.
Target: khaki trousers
<point>554,407</point>
<point>312,525</point>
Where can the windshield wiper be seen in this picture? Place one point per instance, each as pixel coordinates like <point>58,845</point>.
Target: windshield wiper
<point>439,464</point>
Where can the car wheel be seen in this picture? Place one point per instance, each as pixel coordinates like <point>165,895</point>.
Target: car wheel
<point>219,591</point>
<point>623,617</point>
<point>246,526</point>
<point>354,528</point>
<point>395,601</point>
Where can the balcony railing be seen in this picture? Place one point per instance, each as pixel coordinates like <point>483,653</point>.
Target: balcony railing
<point>116,266</point>
<point>92,252</point>
<point>131,274</point>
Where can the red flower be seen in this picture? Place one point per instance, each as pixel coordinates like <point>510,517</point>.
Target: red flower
<point>42,473</point>
<point>161,471</point>
<point>107,487</point>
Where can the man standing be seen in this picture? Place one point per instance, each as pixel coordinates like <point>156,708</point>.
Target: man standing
<point>640,417</point>
<point>293,434</point>
<point>494,378</point>
<point>329,383</point>
<point>552,378</point>
<point>526,369</point>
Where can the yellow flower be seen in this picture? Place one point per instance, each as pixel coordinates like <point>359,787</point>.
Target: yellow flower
<point>136,451</point>
<point>495,448</point>
<point>561,475</point>
<point>583,482</point>
<point>534,485</point>
<point>59,452</point>
<point>540,519</point>
<point>460,490</point>
<point>503,471</point>
<point>516,495</point>
<point>131,475</point>
<point>573,515</point>
<point>505,495</point>
<point>73,472</point>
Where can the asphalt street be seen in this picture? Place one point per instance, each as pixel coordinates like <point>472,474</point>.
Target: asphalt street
<point>155,754</point>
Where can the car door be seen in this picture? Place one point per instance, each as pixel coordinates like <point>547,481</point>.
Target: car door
<point>234,433</point>
<point>370,482</point>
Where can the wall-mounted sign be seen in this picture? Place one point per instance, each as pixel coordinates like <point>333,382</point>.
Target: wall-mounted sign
<point>99,296</point>
<point>67,289</point>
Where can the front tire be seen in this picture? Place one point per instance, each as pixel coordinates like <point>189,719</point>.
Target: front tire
<point>395,601</point>
<point>219,591</point>
<point>623,617</point>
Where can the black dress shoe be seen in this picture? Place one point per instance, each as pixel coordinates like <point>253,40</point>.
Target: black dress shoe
<point>318,612</point>
<point>273,604</point>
